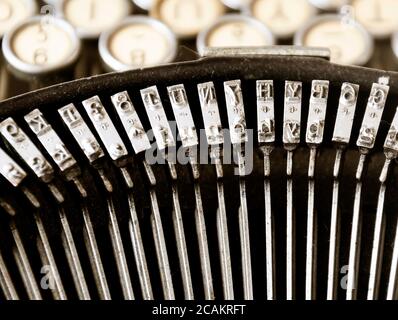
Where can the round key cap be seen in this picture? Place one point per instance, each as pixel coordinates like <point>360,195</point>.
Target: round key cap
<point>41,45</point>
<point>235,31</point>
<point>348,41</point>
<point>13,12</point>
<point>91,17</point>
<point>283,17</point>
<point>237,4</point>
<point>329,5</point>
<point>53,2</point>
<point>187,17</point>
<point>144,4</point>
<point>137,42</point>
<point>379,17</point>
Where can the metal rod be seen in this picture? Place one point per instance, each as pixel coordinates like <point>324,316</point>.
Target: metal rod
<point>392,289</point>
<point>182,246</point>
<point>223,241</point>
<point>23,275</point>
<point>269,242</point>
<point>95,257</point>
<point>203,245</point>
<point>59,291</point>
<point>311,247</point>
<point>24,266</point>
<point>245,243</point>
<point>6,282</point>
<point>290,243</point>
<point>73,258</point>
<point>47,280</point>
<point>161,250</point>
<point>334,244</point>
<point>355,245</point>
<point>119,253</point>
<point>290,232</point>
<point>139,253</point>
<point>377,247</point>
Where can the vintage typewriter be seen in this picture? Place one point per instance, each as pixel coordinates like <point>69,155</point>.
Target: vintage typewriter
<point>216,161</point>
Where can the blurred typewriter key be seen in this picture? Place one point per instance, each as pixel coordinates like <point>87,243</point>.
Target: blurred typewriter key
<point>348,41</point>
<point>237,4</point>
<point>187,17</point>
<point>379,17</point>
<point>137,42</point>
<point>283,17</point>
<point>235,31</point>
<point>90,18</point>
<point>43,49</point>
<point>144,4</point>
<point>12,12</point>
<point>329,5</point>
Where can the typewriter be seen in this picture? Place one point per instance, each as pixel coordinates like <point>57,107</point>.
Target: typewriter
<point>198,150</point>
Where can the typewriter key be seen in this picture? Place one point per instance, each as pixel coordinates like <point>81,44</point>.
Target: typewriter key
<point>237,4</point>
<point>53,2</point>
<point>283,17</point>
<point>235,31</point>
<point>379,17</point>
<point>41,45</point>
<point>348,41</point>
<point>144,4</point>
<point>92,17</point>
<point>187,17</point>
<point>137,42</point>
<point>329,5</point>
<point>13,12</point>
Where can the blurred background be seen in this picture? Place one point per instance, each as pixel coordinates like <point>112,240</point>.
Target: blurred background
<point>47,42</point>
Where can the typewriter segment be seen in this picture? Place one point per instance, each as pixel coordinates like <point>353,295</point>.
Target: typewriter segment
<point>198,150</point>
